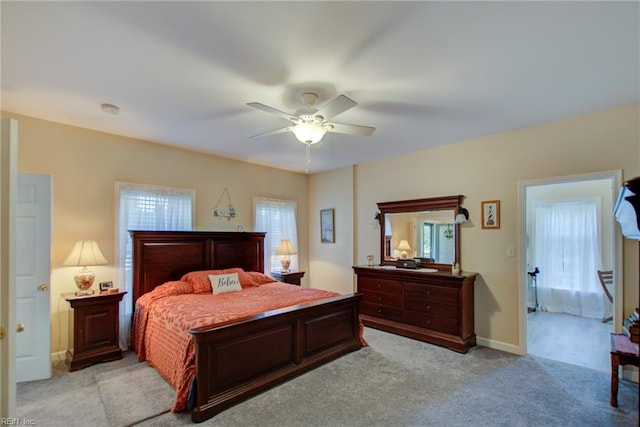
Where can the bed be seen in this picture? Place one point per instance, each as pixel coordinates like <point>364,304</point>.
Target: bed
<point>237,359</point>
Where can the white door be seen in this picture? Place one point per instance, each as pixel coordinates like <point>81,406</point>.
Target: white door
<point>8,174</point>
<point>33,268</point>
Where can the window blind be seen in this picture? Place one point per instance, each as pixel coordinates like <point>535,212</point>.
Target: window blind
<point>144,207</point>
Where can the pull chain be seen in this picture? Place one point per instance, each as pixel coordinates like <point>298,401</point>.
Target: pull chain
<point>308,158</point>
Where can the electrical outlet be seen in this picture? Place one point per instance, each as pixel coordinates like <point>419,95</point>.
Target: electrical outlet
<point>511,251</point>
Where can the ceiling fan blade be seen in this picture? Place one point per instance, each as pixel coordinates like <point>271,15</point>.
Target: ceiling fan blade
<point>272,110</point>
<point>352,129</point>
<point>273,132</point>
<point>337,105</point>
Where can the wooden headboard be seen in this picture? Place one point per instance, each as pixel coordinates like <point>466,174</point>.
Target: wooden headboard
<point>160,256</point>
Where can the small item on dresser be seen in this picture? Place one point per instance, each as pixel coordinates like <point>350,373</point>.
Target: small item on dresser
<point>406,263</point>
<point>370,260</point>
<point>455,269</point>
<point>106,287</point>
<point>113,290</point>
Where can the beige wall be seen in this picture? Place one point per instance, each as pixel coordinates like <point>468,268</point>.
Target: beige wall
<point>85,166</point>
<point>488,169</point>
<point>330,263</point>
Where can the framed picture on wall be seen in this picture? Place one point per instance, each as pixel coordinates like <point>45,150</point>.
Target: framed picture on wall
<point>327,231</point>
<point>491,214</point>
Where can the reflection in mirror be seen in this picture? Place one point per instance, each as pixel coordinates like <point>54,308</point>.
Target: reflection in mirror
<point>429,235</point>
<point>420,228</point>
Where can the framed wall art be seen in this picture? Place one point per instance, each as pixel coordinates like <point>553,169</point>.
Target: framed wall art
<point>491,214</point>
<point>327,231</point>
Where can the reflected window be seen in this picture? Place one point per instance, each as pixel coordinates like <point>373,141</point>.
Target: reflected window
<point>425,238</point>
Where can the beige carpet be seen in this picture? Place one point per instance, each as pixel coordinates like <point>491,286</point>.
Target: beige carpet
<point>133,394</point>
<point>394,382</point>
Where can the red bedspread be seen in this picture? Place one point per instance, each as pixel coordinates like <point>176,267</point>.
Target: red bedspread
<point>164,316</point>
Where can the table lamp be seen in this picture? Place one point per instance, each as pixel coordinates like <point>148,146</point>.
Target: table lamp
<point>285,248</point>
<point>85,253</point>
<point>404,247</point>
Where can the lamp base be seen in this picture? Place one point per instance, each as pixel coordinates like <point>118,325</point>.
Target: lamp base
<point>84,280</point>
<point>285,265</point>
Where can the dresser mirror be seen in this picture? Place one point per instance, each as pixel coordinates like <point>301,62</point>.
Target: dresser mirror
<point>423,229</point>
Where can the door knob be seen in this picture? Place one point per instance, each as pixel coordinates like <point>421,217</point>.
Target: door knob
<point>20,327</point>
<point>42,287</point>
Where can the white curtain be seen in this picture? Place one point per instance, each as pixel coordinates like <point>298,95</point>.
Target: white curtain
<point>143,207</point>
<point>566,248</point>
<point>278,219</point>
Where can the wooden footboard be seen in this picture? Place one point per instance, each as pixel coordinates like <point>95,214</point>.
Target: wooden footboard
<point>240,359</point>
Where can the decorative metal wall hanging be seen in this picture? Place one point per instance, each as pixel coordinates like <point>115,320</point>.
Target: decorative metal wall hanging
<point>230,212</point>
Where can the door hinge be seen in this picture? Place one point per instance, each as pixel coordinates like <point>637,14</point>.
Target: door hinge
<point>2,333</point>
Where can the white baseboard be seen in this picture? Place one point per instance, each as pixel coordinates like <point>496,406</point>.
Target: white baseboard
<point>498,345</point>
<point>59,355</point>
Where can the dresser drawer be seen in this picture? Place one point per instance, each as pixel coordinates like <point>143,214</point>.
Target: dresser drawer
<point>382,298</point>
<point>440,324</point>
<point>390,313</point>
<point>431,293</point>
<point>432,308</point>
<point>380,285</point>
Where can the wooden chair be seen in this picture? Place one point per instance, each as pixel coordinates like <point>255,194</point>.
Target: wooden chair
<point>606,280</point>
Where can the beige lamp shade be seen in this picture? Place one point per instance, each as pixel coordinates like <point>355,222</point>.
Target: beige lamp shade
<point>83,254</point>
<point>404,247</point>
<point>285,248</point>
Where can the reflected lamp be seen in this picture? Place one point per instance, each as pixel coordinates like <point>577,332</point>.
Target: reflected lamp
<point>404,247</point>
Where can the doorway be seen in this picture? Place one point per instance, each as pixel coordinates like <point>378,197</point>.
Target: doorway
<point>558,321</point>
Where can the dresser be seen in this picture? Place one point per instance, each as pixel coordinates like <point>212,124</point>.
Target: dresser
<point>435,307</point>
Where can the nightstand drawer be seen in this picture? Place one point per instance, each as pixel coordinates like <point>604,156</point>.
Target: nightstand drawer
<point>380,285</point>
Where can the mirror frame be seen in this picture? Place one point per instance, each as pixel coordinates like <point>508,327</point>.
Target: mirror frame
<point>419,205</point>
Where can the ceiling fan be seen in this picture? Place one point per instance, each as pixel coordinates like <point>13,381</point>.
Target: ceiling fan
<point>310,124</point>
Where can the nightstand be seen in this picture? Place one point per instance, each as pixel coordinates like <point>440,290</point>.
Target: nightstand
<point>291,277</point>
<point>94,329</point>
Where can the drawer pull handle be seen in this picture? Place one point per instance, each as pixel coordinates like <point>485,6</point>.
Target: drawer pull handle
<point>428,307</point>
<point>379,311</point>
<point>379,286</point>
<point>379,299</point>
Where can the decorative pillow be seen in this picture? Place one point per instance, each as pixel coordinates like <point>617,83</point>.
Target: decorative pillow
<point>221,283</point>
<point>260,278</point>
<point>201,283</point>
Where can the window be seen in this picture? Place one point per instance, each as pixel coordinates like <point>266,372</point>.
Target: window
<point>144,207</point>
<point>278,219</point>
<point>566,248</point>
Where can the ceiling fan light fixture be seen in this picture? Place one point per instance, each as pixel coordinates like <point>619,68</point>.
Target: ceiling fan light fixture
<point>309,133</point>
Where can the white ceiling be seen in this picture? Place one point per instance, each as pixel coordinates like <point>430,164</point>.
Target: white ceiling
<point>424,73</point>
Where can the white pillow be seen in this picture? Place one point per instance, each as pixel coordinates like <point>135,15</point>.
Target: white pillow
<point>221,283</point>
